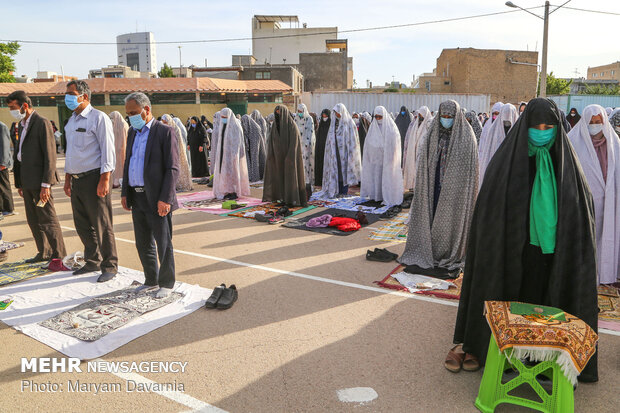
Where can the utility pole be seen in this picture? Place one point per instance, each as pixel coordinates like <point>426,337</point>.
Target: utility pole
<point>543,68</point>
<point>180,64</point>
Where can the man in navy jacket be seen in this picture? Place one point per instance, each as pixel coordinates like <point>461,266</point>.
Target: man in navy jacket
<point>149,191</point>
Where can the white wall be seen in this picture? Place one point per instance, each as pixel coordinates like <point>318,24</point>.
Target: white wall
<point>127,43</point>
<point>359,102</point>
<point>289,47</point>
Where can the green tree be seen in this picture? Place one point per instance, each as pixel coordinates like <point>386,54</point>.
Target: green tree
<point>7,64</point>
<point>166,71</point>
<point>556,86</point>
<point>601,90</point>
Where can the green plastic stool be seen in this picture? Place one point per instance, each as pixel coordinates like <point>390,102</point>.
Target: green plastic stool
<point>492,392</point>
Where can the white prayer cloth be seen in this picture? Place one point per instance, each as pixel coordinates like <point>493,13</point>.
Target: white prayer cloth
<point>608,110</point>
<point>347,140</point>
<point>231,172</point>
<point>495,136</point>
<point>415,134</point>
<point>41,298</point>
<point>485,128</point>
<point>419,282</point>
<point>382,175</point>
<point>305,124</point>
<point>606,194</point>
<point>214,135</point>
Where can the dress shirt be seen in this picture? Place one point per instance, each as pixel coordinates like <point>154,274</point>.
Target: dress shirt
<point>136,162</point>
<point>21,141</point>
<point>93,147</point>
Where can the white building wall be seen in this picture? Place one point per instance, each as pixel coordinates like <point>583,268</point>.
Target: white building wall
<point>142,43</point>
<point>360,102</point>
<point>278,49</point>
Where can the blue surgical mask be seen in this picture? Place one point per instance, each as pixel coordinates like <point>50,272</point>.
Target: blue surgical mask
<point>446,122</point>
<point>193,125</point>
<point>540,137</point>
<point>403,113</point>
<point>224,121</point>
<point>301,114</point>
<point>137,122</point>
<point>72,101</point>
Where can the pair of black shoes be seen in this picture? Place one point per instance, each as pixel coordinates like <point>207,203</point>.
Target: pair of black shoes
<point>230,197</point>
<point>380,255</point>
<point>222,298</point>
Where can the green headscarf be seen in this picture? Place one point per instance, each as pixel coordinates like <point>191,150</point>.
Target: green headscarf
<point>544,200</point>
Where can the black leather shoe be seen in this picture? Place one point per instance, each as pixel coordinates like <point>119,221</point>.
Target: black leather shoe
<point>106,276</point>
<point>215,296</point>
<point>36,258</point>
<point>228,298</point>
<point>85,270</point>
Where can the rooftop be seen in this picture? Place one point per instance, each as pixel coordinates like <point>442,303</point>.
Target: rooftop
<point>280,19</point>
<point>165,85</point>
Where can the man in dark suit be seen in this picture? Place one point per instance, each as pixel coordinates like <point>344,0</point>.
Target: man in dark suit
<point>35,173</point>
<point>149,191</point>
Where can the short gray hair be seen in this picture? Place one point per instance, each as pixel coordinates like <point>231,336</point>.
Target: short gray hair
<point>81,86</point>
<point>140,98</point>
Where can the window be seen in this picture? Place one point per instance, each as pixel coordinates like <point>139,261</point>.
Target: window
<point>427,84</point>
<point>168,98</point>
<point>613,72</point>
<point>602,74</point>
<point>594,74</point>
<point>266,75</point>
<point>118,99</point>
<point>97,100</point>
<point>259,75</point>
<point>212,98</point>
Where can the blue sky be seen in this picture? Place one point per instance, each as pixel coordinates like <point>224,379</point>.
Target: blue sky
<point>577,39</point>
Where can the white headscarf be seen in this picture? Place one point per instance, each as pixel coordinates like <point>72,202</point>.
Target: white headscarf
<point>232,174</point>
<point>305,125</point>
<point>485,128</point>
<point>495,136</point>
<point>347,140</point>
<point>214,142</point>
<point>416,132</point>
<point>382,176</point>
<point>608,110</point>
<point>606,194</point>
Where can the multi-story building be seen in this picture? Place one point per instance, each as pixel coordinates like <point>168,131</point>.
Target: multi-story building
<point>605,72</point>
<point>509,76</point>
<point>137,51</point>
<point>118,71</point>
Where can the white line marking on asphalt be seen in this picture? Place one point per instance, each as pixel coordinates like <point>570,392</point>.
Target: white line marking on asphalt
<point>176,396</point>
<point>326,280</point>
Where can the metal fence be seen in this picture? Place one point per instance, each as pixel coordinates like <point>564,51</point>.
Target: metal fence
<point>359,102</point>
<point>579,102</point>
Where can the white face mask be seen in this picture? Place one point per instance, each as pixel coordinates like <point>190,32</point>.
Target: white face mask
<point>595,128</point>
<point>379,121</point>
<point>16,113</point>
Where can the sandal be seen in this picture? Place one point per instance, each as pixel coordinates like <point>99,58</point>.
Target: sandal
<point>471,363</point>
<point>263,217</point>
<point>378,256</point>
<point>454,359</point>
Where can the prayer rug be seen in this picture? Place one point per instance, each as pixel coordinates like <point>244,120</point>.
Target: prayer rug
<point>452,293</point>
<point>272,207</point>
<point>542,333</point>
<point>394,230</point>
<point>257,185</point>
<point>42,298</point>
<point>96,318</point>
<point>301,223</point>
<point>205,201</point>
<point>7,245</point>
<point>348,203</point>
<point>609,312</point>
<point>18,271</point>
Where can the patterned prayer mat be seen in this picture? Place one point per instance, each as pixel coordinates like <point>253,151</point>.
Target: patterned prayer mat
<point>394,230</point>
<point>347,203</point>
<point>206,202</point>
<point>96,318</point>
<point>270,207</point>
<point>301,223</point>
<point>7,245</point>
<point>11,272</point>
<point>453,293</point>
<point>541,333</point>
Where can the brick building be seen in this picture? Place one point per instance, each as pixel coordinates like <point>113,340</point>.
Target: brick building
<point>509,76</point>
<point>605,72</point>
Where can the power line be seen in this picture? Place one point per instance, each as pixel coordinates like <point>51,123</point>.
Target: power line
<point>395,26</point>
<point>592,11</point>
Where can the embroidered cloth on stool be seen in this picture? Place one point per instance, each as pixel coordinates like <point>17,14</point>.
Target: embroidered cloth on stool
<point>542,333</point>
